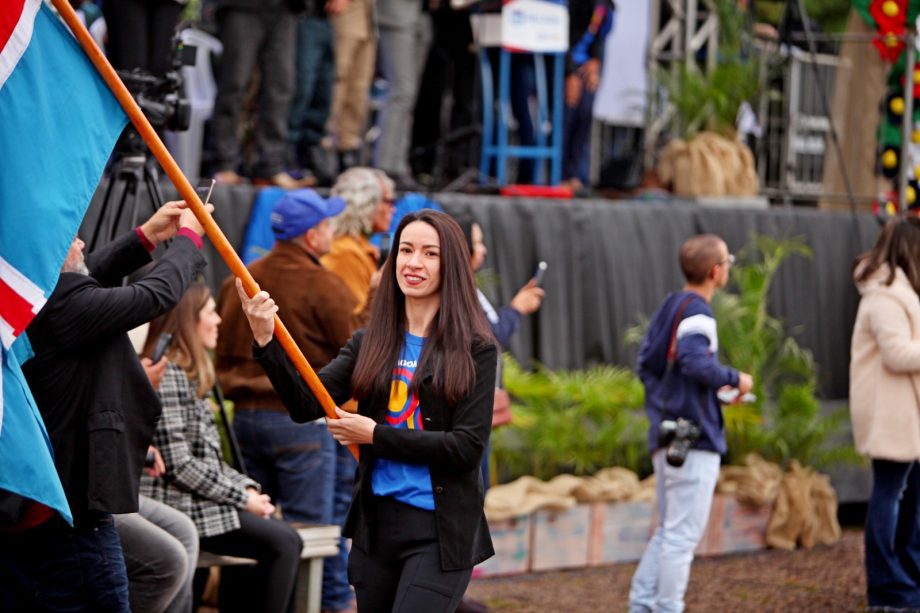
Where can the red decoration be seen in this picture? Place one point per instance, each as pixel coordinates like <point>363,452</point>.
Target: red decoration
<point>890,28</point>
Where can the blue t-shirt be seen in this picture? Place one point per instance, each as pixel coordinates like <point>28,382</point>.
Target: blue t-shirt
<point>408,483</point>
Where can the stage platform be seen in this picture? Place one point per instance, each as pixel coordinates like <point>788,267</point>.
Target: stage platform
<point>612,261</point>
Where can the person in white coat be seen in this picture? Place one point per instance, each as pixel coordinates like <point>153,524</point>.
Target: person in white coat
<point>885,409</point>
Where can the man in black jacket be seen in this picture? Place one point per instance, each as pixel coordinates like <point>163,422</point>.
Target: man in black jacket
<point>100,412</point>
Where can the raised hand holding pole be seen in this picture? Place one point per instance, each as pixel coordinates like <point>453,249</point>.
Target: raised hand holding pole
<point>188,193</point>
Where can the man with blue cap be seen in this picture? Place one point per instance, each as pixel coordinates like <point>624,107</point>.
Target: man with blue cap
<point>296,463</point>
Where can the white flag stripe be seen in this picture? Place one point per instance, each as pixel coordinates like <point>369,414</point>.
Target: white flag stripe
<point>6,334</point>
<point>24,287</point>
<point>3,357</point>
<point>19,39</point>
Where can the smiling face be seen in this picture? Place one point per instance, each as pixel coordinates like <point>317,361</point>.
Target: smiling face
<point>208,320</point>
<point>418,261</point>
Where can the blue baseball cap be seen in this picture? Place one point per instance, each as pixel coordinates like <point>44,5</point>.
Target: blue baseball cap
<point>299,210</point>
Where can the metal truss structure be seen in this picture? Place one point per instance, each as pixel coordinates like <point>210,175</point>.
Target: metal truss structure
<point>686,33</point>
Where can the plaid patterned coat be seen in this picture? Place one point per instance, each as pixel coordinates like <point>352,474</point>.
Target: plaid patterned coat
<point>197,480</point>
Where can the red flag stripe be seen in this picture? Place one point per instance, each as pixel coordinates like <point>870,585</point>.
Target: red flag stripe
<point>17,19</point>
<point>15,310</point>
<point>10,13</point>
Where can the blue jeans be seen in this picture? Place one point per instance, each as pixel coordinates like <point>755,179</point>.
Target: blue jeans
<point>576,137</point>
<point>893,535</point>
<point>684,497</point>
<point>315,77</point>
<point>308,474</point>
<point>54,567</point>
<point>523,84</point>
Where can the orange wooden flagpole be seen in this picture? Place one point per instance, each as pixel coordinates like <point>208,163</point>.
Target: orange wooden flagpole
<point>188,193</point>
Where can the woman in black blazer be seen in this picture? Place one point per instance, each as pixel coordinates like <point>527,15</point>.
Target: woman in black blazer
<point>424,376</point>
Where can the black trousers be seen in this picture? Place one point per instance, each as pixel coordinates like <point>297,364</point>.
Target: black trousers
<point>140,33</point>
<point>402,573</point>
<point>269,586</point>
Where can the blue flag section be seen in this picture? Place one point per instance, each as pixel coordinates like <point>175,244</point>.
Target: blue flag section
<point>58,125</point>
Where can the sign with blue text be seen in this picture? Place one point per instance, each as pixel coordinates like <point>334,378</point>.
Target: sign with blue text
<point>536,26</point>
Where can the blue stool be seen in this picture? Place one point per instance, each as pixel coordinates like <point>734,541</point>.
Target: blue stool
<point>495,132</point>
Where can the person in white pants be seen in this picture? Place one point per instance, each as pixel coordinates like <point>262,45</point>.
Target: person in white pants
<point>679,366</point>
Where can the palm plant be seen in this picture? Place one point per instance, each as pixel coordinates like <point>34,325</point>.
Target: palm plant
<point>785,423</point>
<point>710,101</point>
<point>571,421</point>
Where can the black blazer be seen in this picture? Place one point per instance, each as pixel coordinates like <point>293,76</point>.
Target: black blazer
<point>96,401</point>
<point>451,445</point>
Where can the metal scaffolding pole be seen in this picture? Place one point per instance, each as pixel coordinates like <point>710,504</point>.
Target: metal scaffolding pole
<point>691,26</point>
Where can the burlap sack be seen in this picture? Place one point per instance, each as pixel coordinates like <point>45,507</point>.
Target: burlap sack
<point>805,511</point>
<point>708,165</point>
<point>646,491</point>
<point>608,485</point>
<point>524,496</point>
<point>756,483</point>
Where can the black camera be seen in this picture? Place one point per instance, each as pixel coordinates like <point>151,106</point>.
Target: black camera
<point>162,98</point>
<point>678,435</point>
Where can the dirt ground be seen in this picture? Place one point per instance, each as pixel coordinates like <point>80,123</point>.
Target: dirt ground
<point>825,578</point>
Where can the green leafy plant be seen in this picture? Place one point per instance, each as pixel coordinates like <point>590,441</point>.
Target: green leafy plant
<point>581,421</point>
<point>710,100</point>
<point>786,422</point>
<point>571,421</point>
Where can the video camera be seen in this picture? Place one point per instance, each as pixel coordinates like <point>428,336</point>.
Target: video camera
<point>162,98</point>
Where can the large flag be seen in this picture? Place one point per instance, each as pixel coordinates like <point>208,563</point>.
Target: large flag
<point>58,126</point>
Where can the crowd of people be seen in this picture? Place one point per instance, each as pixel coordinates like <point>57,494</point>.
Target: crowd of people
<point>408,349</point>
<point>403,341</point>
<point>309,88</point>
<point>138,447</point>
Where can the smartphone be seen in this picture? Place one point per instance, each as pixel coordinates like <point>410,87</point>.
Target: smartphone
<point>206,188</point>
<point>729,396</point>
<point>151,459</point>
<point>162,345</point>
<point>538,274</point>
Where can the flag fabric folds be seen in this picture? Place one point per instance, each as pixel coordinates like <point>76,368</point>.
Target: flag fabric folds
<point>58,126</point>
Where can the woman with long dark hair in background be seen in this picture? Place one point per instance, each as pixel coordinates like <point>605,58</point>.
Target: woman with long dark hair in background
<point>423,373</point>
<point>232,516</point>
<point>885,409</point>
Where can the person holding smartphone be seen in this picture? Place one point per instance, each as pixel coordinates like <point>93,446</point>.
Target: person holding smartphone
<point>505,320</point>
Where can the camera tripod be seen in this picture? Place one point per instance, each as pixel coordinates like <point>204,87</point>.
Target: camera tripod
<point>133,169</point>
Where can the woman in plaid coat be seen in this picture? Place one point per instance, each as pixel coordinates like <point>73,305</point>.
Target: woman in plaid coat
<point>232,516</point>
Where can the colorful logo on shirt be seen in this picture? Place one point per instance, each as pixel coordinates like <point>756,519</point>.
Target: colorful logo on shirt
<point>403,409</point>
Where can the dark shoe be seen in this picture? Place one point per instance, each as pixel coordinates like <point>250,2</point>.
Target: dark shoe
<point>348,159</point>
<point>320,161</point>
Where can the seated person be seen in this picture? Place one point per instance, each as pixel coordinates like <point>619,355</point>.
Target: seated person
<point>232,516</point>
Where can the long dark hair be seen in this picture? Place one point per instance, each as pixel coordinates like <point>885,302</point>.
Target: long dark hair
<point>458,323</point>
<point>898,246</point>
<point>186,348</point>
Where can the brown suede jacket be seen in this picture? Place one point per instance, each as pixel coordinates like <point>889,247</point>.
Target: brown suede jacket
<point>315,305</point>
